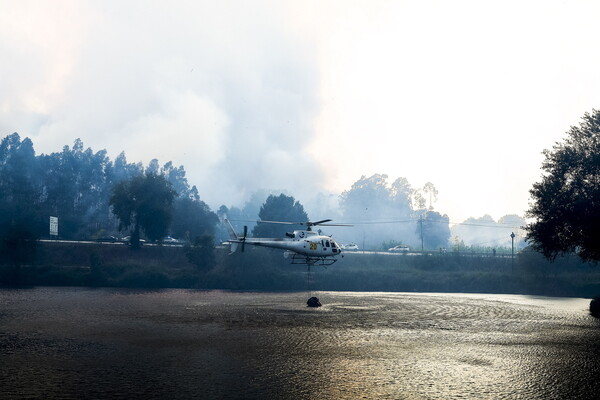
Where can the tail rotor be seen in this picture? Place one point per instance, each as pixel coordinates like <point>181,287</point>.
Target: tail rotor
<point>243,238</point>
<point>234,238</point>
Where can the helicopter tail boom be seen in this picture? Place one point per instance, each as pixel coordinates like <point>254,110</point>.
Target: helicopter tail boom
<point>230,230</point>
<point>234,239</point>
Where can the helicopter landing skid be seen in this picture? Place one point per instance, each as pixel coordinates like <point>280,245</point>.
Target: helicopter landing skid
<point>304,260</point>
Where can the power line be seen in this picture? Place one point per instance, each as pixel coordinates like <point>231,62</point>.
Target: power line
<point>499,239</point>
<point>379,222</point>
<point>403,221</point>
<point>497,225</point>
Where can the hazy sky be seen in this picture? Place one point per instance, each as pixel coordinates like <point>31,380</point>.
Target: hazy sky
<point>308,95</point>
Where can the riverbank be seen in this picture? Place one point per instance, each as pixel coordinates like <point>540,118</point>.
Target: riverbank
<point>108,265</point>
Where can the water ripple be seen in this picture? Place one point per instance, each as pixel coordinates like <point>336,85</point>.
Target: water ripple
<point>79,343</point>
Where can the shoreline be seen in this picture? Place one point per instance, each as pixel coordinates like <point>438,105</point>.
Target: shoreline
<point>152,267</point>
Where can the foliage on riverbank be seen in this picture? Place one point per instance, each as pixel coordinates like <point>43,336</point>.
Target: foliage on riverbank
<point>98,265</point>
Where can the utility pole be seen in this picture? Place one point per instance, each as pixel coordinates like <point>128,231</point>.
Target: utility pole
<point>421,225</point>
<point>512,239</point>
<point>364,218</point>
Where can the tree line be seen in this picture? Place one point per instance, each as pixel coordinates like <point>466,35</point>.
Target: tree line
<point>81,188</point>
<point>380,212</point>
<point>93,196</point>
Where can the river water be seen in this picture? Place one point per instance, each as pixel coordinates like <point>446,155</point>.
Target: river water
<point>58,343</point>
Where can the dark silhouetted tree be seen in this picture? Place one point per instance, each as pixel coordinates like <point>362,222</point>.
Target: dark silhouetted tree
<point>279,208</point>
<point>122,170</point>
<point>192,218</point>
<point>20,194</point>
<point>76,190</point>
<point>566,203</point>
<point>144,202</point>
<point>76,185</point>
<point>436,230</point>
<point>177,178</point>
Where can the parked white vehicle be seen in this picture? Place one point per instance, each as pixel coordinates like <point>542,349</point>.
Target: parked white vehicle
<point>170,240</point>
<point>400,248</point>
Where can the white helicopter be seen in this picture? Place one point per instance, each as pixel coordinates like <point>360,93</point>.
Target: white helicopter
<point>302,246</point>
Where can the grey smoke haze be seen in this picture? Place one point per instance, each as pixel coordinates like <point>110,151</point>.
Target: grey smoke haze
<point>307,96</point>
<point>485,232</point>
<point>224,89</point>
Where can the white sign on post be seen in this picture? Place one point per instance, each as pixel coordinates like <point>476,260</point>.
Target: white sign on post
<point>53,226</point>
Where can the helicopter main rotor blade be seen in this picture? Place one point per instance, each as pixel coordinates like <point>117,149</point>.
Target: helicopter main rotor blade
<point>279,222</point>
<point>306,223</point>
<point>318,222</point>
<point>335,225</point>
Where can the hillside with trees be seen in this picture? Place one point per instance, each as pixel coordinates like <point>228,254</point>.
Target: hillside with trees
<point>88,192</point>
<point>392,213</point>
